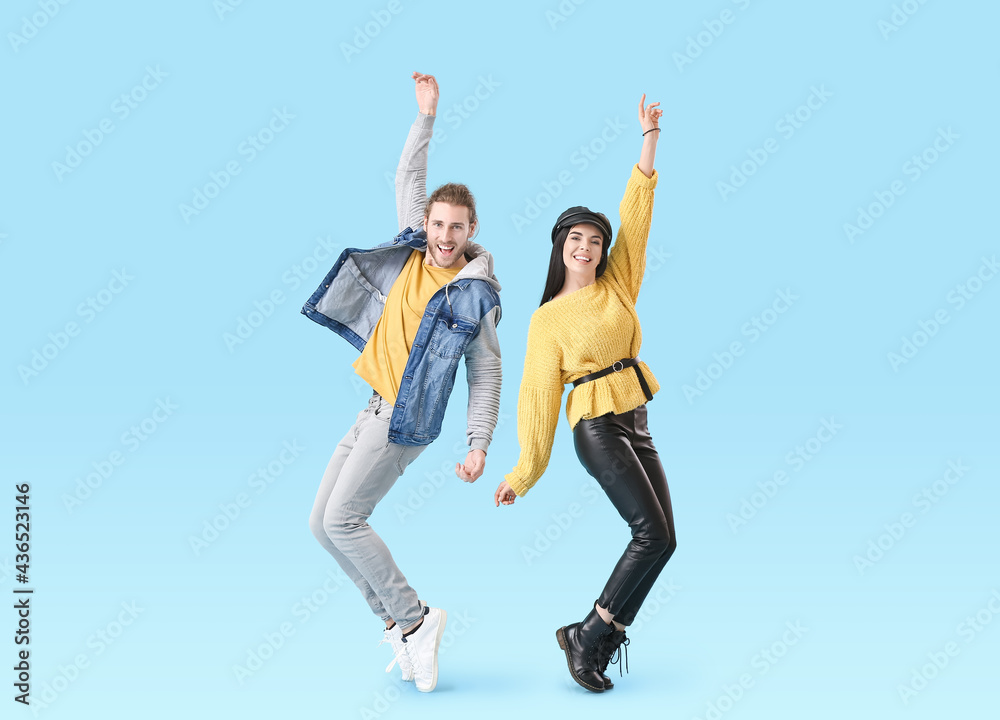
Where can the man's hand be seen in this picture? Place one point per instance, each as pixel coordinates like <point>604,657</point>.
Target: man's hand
<point>475,463</point>
<point>427,93</point>
<point>505,494</point>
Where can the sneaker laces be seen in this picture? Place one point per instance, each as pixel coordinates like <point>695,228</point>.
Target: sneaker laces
<point>414,658</point>
<point>397,654</point>
<point>395,659</point>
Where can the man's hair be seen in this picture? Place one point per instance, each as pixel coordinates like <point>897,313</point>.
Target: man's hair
<point>453,194</point>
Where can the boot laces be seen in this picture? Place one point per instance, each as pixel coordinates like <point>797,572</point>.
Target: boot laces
<point>618,653</point>
<point>611,651</point>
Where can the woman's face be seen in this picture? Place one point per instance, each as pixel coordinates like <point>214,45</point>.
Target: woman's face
<point>582,251</point>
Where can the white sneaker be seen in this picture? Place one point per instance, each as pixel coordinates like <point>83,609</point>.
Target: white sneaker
<point>394,636</point>
<point>422,648</point>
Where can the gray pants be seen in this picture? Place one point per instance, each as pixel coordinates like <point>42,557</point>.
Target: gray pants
<point>364,467</point>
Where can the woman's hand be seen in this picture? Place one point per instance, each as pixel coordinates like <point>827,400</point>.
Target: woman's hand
<point>504,494</point>
<point>649,115</point>
<point>649,118</point>
<point>427,93</point>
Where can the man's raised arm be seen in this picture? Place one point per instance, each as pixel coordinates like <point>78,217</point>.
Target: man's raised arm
<point>411,174</point>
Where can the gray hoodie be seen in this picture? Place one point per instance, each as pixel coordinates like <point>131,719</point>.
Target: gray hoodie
<point>482,356</point>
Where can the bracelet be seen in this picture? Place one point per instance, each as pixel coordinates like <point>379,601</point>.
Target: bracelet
<point>649,131</point>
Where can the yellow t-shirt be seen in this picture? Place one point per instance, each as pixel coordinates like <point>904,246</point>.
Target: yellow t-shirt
<point>382,361</point>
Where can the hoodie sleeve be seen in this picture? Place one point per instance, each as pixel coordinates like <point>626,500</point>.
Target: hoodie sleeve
<point>483,371</point>
<point>411,174</point>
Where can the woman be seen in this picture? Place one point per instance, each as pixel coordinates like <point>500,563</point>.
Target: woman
<point>586,331</point>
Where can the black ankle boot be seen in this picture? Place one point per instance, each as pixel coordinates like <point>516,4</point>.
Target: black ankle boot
<point>609,646</point>
<point>582,642</point>
<point>603,655</point>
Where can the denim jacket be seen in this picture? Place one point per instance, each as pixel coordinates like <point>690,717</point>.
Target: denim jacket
<point>460,319</point>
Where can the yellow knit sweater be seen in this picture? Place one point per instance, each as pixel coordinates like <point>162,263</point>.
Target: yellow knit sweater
<point>580,333</point>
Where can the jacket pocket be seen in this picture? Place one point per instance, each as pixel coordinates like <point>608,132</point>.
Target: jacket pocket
<point>450,336</point>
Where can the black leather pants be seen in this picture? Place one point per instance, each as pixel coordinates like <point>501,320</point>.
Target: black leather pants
<point>618,452</point>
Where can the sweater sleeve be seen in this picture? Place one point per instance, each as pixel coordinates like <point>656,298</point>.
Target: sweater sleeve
<point>627,258</point>
<point>538,404</point>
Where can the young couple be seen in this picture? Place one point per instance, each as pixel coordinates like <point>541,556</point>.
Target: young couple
<point>414,307</point>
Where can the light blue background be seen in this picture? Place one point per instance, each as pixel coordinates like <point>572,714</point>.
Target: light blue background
<point>714,265</point>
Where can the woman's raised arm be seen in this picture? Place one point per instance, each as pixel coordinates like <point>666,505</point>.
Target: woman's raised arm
<point>649,118</point>
<point>627,258</point>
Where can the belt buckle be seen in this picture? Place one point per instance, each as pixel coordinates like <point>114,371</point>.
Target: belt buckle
<point>617,366</point>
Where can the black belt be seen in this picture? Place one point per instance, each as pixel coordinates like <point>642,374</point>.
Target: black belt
<point>618,366</point>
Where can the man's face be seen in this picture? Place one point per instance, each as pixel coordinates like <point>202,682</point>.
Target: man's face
<point>448,232</point>
<point>582,251</point>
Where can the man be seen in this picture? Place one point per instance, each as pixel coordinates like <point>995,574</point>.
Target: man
<point>413,307</point>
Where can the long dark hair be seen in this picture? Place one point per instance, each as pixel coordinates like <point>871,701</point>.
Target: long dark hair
<point>557,268</point>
